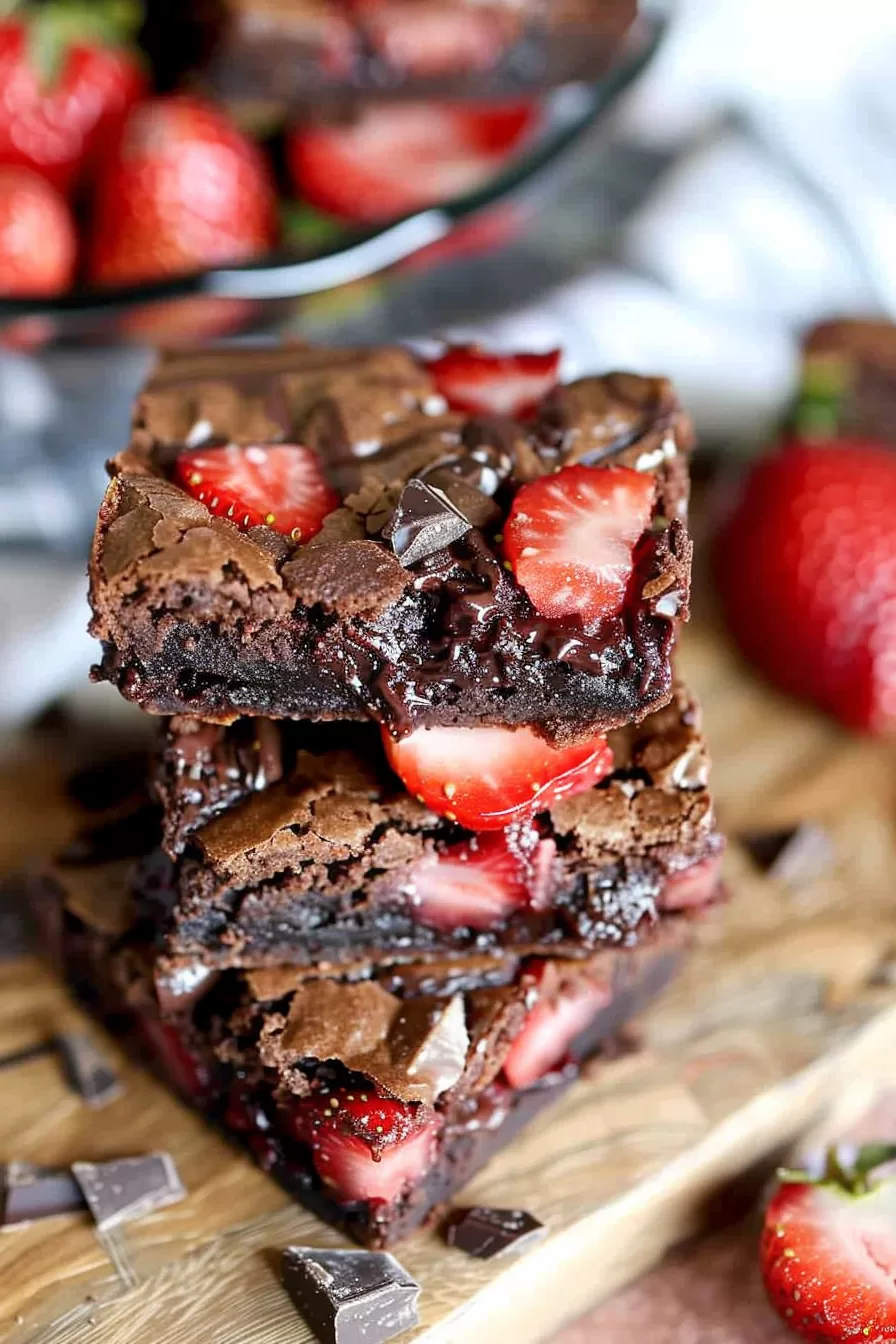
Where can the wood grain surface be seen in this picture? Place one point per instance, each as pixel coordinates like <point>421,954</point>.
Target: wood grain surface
<point>788,1006</point>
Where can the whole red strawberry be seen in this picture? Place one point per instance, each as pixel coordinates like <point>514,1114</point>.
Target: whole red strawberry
<point>37,236</point>
<point>828,1250</point>
<point>69,77</point>
<point>806,565</point>
<point>181,189</point>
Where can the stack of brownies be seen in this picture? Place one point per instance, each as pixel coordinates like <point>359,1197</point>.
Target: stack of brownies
<point>430,816</point>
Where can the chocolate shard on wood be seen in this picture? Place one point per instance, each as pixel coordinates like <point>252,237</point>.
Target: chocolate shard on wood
<point>128,1187</point>
<point>350,1297</point>
<point>425,521</point>
<point>28,1192</point>
<point>791,854</point>
<point>488,1233</point>
<point>87,1069</point>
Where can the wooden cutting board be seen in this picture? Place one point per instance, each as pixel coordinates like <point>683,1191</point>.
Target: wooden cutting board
<point>788,1006</point>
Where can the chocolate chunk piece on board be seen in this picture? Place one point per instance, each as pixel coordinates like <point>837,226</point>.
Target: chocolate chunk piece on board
<point>350,1297</point>
<point>128,1187</point>
<point>488,1233</point>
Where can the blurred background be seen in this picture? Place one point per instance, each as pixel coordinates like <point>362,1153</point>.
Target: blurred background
<point>690,191</point>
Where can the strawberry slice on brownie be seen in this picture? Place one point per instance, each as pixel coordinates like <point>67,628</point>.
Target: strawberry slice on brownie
<point>489,778</point>
<point>554,1021</point>
<point>278,485</point>
<point>480,383</point>
<point>570,539</point>
<point>363,1145</point>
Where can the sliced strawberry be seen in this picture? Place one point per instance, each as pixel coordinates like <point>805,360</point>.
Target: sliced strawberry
<point>551,1027</point>
<point>436,37</point>
<point>570,539</point>
<point>479,383</point>
<point>280,485</point>
<point>401,157</point>
<point>187,1074</point>
<point>828,1249</point>
<point>363,1145</point>
<point>478,883</point>
<point>691,887</point>
<point>488,778</point>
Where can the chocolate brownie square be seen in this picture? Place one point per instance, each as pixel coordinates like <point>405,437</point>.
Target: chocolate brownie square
<point>412,562</point>
<point>335,861</point>
<point>372,1098</point>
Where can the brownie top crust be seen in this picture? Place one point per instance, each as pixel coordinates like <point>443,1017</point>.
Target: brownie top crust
<point>401,608</point>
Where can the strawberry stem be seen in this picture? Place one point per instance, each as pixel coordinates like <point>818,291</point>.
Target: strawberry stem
<point>853,1176</point>
<point>54,27</point>
<point>819,402</point>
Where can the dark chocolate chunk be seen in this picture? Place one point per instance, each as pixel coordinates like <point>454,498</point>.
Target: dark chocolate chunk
<point>27,1054</point>
<point>425,521</point>
<point>28,1192</point>
<point>488,1233</point>
<point>128,1187</point>
<point>88,1070</point>
<point>350,1297</point>
<point>792,854</point>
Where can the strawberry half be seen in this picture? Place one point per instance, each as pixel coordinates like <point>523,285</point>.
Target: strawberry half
<point>570,539</point>
<point>366,1146</point>
<point>478,383</point>
<point>551,1027</point>
<point>397,158</point>
<point>828,1249</point>
<point>478,883</point>
<point>279,485</point>
<point>488,778</point>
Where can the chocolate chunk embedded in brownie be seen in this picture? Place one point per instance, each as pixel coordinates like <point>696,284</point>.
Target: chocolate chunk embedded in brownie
<point>362,610</point>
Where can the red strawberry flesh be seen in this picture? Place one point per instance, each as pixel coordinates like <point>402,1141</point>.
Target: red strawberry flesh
<point>279,485</point>
<point>488,778</point>
<point>397,158</point>
<point>478,383</point>
<point>551,1027</point>
<point>478,883</point>
<point>570,539</point>
<point>366,1147</point>
<point>829,1260</point>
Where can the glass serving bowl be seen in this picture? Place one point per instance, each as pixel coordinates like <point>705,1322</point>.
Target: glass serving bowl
<point>224,299</point>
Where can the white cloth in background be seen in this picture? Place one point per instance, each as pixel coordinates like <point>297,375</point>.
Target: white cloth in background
<point>779,210</point>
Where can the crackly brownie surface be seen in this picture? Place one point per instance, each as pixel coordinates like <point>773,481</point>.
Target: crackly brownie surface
<point>286,50</point>
<point>403,607</point>
<point>374,1098</point>
<point>336,861</point>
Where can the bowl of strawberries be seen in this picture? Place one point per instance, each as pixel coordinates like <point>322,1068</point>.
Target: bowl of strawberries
<point>134,206</point>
